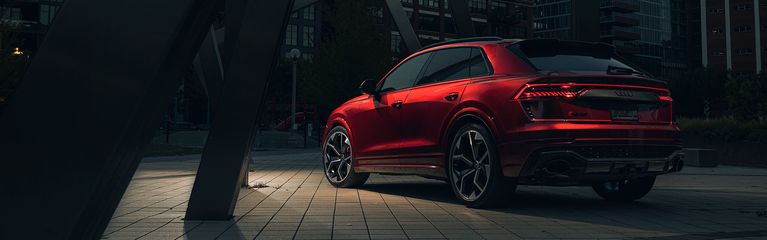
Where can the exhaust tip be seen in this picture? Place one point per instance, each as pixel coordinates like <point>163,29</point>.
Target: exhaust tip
<point>557,166</point>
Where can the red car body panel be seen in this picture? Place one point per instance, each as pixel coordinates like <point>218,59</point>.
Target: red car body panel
<point>413,139</point>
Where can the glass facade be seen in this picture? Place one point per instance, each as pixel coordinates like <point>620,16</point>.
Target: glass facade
<point>652,33</point>
<point>553,19</point>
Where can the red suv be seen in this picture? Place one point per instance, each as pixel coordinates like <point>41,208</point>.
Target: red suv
<point>487,114</point>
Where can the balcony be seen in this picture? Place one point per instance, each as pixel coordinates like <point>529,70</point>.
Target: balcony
<point>620,33</point>
<point>620,6</point>
<point>619,20</point>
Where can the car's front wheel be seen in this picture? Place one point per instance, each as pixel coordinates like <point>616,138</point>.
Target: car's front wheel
<point>624,190</point>
<point>474,171</point>
<point>337,157</point>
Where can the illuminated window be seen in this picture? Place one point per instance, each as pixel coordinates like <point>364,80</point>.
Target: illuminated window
<point>291,35</point>
<point>308,36</point>
<point>309,12</point>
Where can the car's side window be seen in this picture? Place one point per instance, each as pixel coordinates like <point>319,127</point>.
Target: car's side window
<point>478,66</point>
<point>447,64</point>
<point>405,75</point>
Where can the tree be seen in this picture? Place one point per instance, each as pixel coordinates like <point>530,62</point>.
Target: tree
<point>747,97</point>
<point>351,49</point>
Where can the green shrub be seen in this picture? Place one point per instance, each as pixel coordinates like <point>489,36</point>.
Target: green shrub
<point>725,129</point>
<point>747,97</point>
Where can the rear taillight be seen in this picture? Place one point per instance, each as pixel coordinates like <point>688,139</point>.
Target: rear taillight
<point>594,102</point>
<point>563,91</point>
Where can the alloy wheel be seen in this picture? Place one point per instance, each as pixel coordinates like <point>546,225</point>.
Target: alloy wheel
<point>470,165</point>
<point>338,157</point>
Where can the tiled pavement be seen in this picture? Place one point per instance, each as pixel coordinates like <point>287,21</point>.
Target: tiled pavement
<point>699,203</point>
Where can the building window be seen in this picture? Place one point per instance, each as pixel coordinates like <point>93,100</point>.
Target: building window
<point>309,12</point>
<point>717,53</point>
<point>13,14</point>
<point>429,3</point>
<point>744,28</point>
<point>377,14</point>
<point>717,31</point>
<point>308,36</point>
<point>743,51</point>
<point>294,14</point>
<point>499,9</point>
<point>716,11</point>
<point>396,40</point>
<point>743,7</point>
<point>291,35</point>
<point>477,6</point>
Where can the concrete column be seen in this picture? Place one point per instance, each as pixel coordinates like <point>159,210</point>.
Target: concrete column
<point>107,84</point>
<point>253,33</point>
<point>406,30</point>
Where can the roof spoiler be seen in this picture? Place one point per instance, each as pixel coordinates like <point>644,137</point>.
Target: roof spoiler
<point>463,40</point>
<point>599,48</point>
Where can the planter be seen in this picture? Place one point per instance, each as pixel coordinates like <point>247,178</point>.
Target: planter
<point>741,153</point>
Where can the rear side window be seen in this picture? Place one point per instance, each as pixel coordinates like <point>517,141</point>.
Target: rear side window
<point>447,64</point>
<point>404,76</point>
<point>569,56</point>
<point>478,66</point>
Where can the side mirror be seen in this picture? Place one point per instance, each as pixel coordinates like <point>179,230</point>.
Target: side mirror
<point>368,86</point>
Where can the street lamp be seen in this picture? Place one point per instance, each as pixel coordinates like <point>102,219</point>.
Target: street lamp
<point>17,52</point>
<point>294,54</point>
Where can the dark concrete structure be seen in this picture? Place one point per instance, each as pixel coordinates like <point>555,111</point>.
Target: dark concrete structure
<point>108,89</point>
<point>254,39</point>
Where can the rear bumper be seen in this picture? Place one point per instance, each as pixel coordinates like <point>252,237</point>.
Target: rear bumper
<point>582,165</point>
<point>590,152</point>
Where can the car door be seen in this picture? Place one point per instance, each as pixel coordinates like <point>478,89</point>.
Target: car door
<point>432,99</point>
<point>377,125</point>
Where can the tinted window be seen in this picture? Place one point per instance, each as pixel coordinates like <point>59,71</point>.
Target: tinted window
<point>477,64</point>
<point>405,74</point>
<point>447,64</point>
<point>569,56</point>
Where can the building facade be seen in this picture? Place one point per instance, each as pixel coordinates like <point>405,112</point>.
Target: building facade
<point>734,37</point>
<point>27,21</point>
<point>654,34</point>
<point>433,21</point>
<point>303,31</point>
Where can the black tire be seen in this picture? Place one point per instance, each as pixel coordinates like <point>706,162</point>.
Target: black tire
<point>497,189</point>
<point>624,190</point>
<point>338,149</point>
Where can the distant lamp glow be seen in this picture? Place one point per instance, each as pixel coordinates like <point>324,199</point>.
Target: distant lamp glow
<point>17,52</point>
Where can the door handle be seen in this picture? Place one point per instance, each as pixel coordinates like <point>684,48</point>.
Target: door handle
<point>451,96</point>
<point>397,104</point>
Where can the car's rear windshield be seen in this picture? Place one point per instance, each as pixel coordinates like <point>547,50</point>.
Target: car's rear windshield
<point>570,56</point>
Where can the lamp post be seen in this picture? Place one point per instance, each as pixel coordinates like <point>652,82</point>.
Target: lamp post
<point>294,54</point>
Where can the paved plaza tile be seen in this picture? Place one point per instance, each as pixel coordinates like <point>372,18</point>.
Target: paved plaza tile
<point>295,202</point>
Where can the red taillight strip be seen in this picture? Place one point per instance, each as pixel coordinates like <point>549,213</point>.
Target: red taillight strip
<point>570,85</point>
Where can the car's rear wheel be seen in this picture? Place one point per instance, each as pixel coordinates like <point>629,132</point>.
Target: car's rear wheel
<point>474,171</point>
<point>337,160</point>
<point>624,190</point>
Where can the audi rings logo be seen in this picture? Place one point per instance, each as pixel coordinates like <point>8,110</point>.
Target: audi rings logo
<point>624,93</point>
